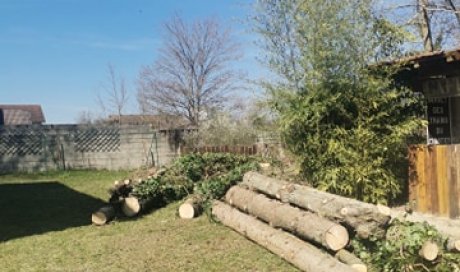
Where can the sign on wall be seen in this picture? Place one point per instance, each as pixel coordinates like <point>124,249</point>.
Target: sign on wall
<point>441,87</point>
<point>438,120</point>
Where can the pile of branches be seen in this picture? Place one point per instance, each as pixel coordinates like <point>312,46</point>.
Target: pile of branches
<point>205,176</point>
<point>318,231</point>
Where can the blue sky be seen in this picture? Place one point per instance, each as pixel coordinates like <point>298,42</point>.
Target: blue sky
<point>55,52</point>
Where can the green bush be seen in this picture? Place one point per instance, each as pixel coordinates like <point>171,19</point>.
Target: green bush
<point>209,174</point>
<point>346,120</point>
<point>400,250</point>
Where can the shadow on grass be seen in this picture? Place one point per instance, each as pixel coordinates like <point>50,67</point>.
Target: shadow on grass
<point>36,208</point>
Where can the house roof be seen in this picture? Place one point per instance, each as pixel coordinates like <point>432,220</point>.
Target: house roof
<point>416,69</point>
<point>446,56</point>
<point>22,114</point>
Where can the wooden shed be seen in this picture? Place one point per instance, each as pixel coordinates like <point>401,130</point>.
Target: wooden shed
<point>434,174</point>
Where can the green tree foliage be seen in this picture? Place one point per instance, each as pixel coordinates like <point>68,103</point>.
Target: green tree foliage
<point>348,123</point>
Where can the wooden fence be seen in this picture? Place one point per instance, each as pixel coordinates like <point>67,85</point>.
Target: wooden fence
<point>434,179</point>
<point>241,150</point>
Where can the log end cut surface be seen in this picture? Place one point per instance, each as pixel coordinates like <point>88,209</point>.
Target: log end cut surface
<point>98,218</point>
<point>429,251</point>
<point>103,215</point>
<point>131,206</point>
<point>453,245</point>
<point>337,237</point>
<point>187,211</point>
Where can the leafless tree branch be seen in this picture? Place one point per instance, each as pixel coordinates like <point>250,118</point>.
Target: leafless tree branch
<point>193,72</point>
<point>114,96</point>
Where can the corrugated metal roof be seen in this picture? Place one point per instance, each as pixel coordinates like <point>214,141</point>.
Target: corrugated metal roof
<point>22,114</point>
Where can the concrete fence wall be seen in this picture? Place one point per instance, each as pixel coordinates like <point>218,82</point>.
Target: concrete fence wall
<point>51,147</point>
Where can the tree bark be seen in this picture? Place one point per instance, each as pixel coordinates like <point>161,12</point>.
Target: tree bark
<point>425,25</point>
<point>350,259</point>
<point>103,215</point>
<point>303,224</point>
<point>299,253</point>
<point>191,208</point>
<point>454,10</point>
<point>366,219</point>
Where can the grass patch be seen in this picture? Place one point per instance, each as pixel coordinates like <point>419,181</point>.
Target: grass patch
<point>46,227</point>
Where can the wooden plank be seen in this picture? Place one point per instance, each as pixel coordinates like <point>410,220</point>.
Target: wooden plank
<point>453,180</point>
<point>428,178</point>
<point>441,180</point>
<point>421,204</point>
<point>433,182</point>
<point>413,179</point>
<point>457,168</point>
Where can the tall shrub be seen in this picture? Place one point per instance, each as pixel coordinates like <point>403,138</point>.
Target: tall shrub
<point>348,123</point>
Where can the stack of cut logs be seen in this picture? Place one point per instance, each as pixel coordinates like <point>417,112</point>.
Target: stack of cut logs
<point>120,200</point>
<point>306,227</point>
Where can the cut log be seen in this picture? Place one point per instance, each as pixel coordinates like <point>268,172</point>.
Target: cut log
<point>349,258</point>
<point>453,245</point>
<point>364,218</point>
<point>133,206</point>
<point>191,208</point>
<point>299,253</point>
<point>127,181</point>
<point>103,215</point>
<point>303,224</point>
<point>429,251</point>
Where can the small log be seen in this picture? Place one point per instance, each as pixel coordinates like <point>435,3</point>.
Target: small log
<point>349,258</point>
<point>297,252</point>
<point>366,219</point>
<point>191,208</point>
<point>429,251</point>
<point>303,224</point>
<point>103,215</point>
<point>133,206</point>
<point>453,245</point>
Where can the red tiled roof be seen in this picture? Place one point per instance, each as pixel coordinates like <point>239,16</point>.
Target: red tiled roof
<point>22,114</point>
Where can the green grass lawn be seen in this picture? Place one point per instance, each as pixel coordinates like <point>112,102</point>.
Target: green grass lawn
<point>45,226</point>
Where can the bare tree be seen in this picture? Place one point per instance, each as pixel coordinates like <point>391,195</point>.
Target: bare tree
<point>193,72</point>
<point>85,117</point>
<point>436,23</point>
<point>114,97</point>
<point>276,22</point>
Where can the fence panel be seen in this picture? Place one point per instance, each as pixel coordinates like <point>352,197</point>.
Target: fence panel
<point>434,179</point>
<point>240,150</point>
